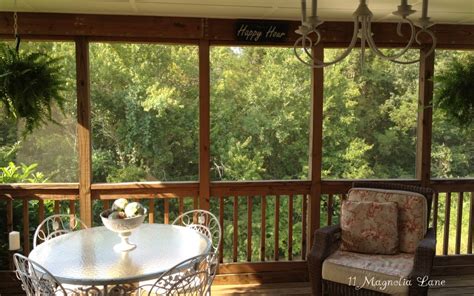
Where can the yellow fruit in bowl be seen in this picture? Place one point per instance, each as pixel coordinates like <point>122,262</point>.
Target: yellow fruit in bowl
<point>134,209</point>
<point>119,204</point>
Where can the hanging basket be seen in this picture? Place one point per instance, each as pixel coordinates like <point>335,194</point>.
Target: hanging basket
<point>30,84</point>
<point>454,93</point>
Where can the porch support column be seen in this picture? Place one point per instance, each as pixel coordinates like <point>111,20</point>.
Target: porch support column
<point>204,125</point>
<point>84,129</point>
<point>316,143</point>
<point>425,118</point>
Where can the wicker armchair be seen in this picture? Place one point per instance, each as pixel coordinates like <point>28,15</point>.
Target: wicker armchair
<point>327,241</point>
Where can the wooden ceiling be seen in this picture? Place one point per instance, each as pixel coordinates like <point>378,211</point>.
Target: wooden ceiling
<point>441,11</point>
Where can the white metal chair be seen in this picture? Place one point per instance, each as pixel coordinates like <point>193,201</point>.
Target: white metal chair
<point>56,225</point>
<point>36,280</point>
<point>200,219</point>
<point>206,223</point>
<point>191,277</point>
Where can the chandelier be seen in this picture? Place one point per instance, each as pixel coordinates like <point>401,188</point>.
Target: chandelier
<point>311,36</point>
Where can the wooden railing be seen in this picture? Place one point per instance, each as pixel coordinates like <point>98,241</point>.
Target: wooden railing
<point>264,224</point>
<point>262,239</point>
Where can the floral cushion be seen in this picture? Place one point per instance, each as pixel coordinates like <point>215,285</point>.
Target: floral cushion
<point>369,227</point>
<point>412,213</point>
<point>382,273</point>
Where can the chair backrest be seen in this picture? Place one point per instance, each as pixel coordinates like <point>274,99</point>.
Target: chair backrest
<point>414,204</point>
<point>56,225</point>
<point>190,277</point>
<point>35,279</point>
<point>425,191</point>
<point>197,219</point>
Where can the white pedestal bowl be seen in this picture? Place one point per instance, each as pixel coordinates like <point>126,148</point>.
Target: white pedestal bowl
<point>124,228</point>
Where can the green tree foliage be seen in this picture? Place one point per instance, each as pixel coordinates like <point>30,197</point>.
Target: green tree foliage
<point>260,107</point>
<point>369,118</point>
<point>145,103</point>
<point>145,113</point>
<point>20,174</point>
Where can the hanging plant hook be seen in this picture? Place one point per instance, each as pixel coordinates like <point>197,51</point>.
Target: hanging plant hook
<point>15,30</point>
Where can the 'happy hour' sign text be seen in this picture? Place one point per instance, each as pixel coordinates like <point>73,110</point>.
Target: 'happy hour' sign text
<point>261,31</point>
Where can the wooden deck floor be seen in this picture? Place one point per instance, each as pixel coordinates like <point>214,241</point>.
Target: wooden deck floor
<point>457,285</point>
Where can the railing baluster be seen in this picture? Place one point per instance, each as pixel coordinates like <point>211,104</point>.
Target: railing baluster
<point>180,210</point>
<point>26,227</point>
<point>330,209</point>
<point>221,221</point>
<point>290,227</point>
<point>9,212</point>
<point>276,235</point>
<point>459,222</point>
<point>106,204</point>
<point>471,225</point>
<point>56,206</point>
<point>249,228</point>
<point>435,214</point>
<point>263,229</point>
<point>236,229</point>
<point>9,215</point>
<point>151,210</point>
<point>72,207</point>
<point>166,210</point>
<point>40,210</point>
<point>304,222</point>
<point>196,203</point>
<point>447,214</point>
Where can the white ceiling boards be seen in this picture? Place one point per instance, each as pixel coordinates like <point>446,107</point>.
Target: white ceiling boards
<point>440,11</point>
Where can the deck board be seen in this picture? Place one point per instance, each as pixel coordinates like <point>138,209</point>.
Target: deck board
<point>455,285</point>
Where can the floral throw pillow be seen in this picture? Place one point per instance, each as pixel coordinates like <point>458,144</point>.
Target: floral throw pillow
<point>412,213</point>
<point>369,227</point>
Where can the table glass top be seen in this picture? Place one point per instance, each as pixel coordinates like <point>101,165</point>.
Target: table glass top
<point>87,257</point>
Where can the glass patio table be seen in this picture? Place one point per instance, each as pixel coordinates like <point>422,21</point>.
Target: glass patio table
<point>87,258</point>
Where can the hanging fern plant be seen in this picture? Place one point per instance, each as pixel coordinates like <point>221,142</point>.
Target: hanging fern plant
<point>455,91</point>
<point>30,84</point>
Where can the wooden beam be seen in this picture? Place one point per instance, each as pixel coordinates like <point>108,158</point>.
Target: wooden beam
<point>453,264</point>
<point>452,185</point>
<point>316,142</point>
<point>248,188</point>
<point>84,129</point>
<point>54,26</point>
<point>425,118</point>
<point>204,124</point>
<point>254,267</point>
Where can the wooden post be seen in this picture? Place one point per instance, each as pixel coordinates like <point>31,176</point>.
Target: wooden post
<point>84,129</point>
<point>425,118</point>
<point>204,125</point>
<point>316,142</point>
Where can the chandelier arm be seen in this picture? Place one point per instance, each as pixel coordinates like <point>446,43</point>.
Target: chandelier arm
<point>393,57</point>
<point>320,64</point>
<point>295,47</point>
<point>433,46</point>
<point>307,50</point>
<point>363,41</point>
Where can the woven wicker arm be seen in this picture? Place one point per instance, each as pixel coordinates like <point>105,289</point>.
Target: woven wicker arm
<point>423,263</point>
<point>326,241</point>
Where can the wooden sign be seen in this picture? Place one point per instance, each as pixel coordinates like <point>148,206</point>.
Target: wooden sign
<point>252,31</point>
